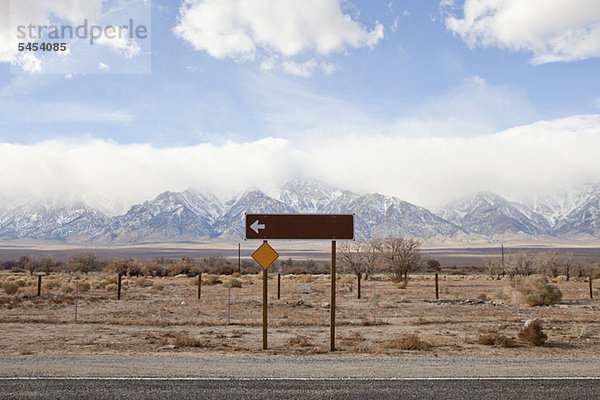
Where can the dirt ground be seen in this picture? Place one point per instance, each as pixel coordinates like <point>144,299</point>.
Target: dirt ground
<point>164,315</point>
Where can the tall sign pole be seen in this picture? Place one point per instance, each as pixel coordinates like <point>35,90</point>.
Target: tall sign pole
<point>265,300</point>
<point>332,302</point>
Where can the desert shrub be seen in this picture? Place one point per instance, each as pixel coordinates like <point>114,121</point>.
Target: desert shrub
<point>307,266</point>
<point>67,289</point>
<point>299,341</point>
<point>112,287</point>
<point>532,333</point>
<point>153,268</point>
<point>410,341</point>
<point>234,282</point>
<point>126,267</point>
<point>10,288</point>
<point>250,267</point>
<point>84,287</point>
<point>218,266</point>
<point>209,279</point>
<point>537,291</point>
<point>158,286</point>
<point>21,282</point>
<point>109,281</point>
<point>495,339</point>
<point>143,282</point>
<point>236,275</point>
<point>51,285</point>
<point>183,340</point>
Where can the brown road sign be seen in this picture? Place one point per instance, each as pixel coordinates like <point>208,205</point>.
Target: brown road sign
<point>300,226</point>
<point>265,255</point>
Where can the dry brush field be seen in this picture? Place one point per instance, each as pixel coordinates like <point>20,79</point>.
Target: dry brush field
<point>475,315</point>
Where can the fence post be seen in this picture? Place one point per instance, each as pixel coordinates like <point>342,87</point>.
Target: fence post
<point>119,287</point>
<point>39,293</point>
<point>591,293</point>
<point>199,284</point>
<point>437,288</point>
<point>517,295</point>
<point>76,297</point>
<point>374,303</point>
<point>229,303</point>
<point>278,286</point>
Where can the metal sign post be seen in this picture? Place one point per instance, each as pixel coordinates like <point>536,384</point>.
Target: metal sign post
<point>265,256</point>
<point>332,302</point>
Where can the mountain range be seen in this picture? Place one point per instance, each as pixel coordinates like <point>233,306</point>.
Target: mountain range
<point>200,215</point>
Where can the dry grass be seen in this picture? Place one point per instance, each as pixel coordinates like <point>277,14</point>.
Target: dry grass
<point>10,288</point>
<point>299,341</point>
<point>142,282</point>
<point>496,339</point>
<point>233,282</point>
<point>410,341</point>
<point>45,324</point>
<point>209,280</point>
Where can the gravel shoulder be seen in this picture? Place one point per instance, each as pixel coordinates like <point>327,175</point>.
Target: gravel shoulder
<point>246,367</point>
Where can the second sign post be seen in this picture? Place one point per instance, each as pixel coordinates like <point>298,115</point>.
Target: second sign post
<point>265,255</point>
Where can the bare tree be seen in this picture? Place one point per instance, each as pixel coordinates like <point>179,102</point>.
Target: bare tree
<point>47,264</point>
<point>494,267</point>
<point>83,262</point>
<point>400,256</point>
<point>29,263</point>
<point>358,258</point>
<point>521,263</point>
<point>553,264</point>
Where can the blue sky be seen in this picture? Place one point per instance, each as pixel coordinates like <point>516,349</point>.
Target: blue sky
<point>331,90</point>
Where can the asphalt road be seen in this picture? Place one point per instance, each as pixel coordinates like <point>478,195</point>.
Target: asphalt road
<point>247,377</point>
<point>300,389</point>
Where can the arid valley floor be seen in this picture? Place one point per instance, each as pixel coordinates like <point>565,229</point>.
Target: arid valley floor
<point>164,315</point>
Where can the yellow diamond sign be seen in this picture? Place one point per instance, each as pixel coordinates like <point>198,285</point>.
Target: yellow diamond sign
<point>265,255</point>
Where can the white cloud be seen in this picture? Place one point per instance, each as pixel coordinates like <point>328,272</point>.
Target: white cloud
<point>424,170</point>
<point>552,30</point>
<point>259,30</point>
<point>102,66</point>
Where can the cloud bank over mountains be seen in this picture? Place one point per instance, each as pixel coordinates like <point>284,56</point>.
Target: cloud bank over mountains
<point>425,170</point>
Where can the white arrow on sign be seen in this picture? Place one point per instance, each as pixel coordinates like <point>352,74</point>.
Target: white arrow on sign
<point>256,226</point>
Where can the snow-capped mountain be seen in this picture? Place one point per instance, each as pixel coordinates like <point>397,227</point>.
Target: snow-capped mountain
<point>583,219</point>
<point>230,224</point>
<point>48,221</point>
<point>488,214</point>
<point>170,216</point>
<point>198,214</point>
<point>558,204</point>
<point>308,195</point>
